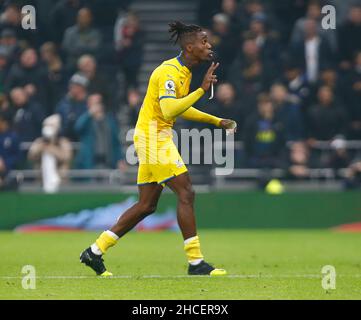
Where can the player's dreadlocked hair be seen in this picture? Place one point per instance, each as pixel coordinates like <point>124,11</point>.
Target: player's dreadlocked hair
<point>179,31</point>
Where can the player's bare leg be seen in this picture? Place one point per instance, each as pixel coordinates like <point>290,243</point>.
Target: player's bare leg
<point>148,199</point>
<point>182,186</point>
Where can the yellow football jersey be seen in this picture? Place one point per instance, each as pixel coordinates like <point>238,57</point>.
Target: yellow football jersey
<point>159,159</point>
<point>169,80</point>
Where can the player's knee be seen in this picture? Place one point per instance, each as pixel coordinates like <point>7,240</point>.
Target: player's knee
<point>186,196</point>
<point>147,208</point>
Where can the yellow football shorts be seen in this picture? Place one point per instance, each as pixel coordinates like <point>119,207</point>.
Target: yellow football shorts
<point>158,163</point>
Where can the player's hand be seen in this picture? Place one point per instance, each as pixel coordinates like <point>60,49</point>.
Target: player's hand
<point>210,78</point>
<point>229,125</point>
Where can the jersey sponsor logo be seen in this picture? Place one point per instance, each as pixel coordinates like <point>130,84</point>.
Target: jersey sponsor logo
<point>170,87</point>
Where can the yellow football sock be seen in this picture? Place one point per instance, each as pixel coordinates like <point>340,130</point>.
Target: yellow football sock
<point>105,241</point>
<point>193,249</point>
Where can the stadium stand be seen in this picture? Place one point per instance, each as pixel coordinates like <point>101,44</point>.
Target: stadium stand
<point>293,88</point>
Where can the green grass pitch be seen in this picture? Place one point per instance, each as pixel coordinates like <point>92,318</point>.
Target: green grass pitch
<point>273,264</point>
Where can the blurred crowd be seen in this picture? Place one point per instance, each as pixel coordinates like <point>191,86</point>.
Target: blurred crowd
<point>65,84</point>
<point>286,81</point>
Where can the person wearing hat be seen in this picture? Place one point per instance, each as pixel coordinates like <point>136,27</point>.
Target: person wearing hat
<point>73,105</point>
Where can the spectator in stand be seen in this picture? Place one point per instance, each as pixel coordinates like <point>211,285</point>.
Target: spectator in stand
<point>265,38</point>
<point>312,51</point>
<point>224,43</point>
<point>82,38</point>
<point>252,8</point>
<point>226,105</point>
<point>299,161</point>
<point>249,74</point>
<point>73,105</point>
<point>56,77</point>
<point>87,66</point>
<point>263,136</point>
<point>329,77</point>
<point>349,37</point>
<point>4,103</point>
<point>232,10</point>
<point>128,114</point>
<point>11,19</point>
<point>51,154</point>
<point>326,119</point>
<point>296,83</point>
<point>118,27</point>
<point>4,67</point>
<point>9,151</point>
<point>9,45</point>
<point>98,135</point>
<point>27,115</point>
<point>288,112</point>
<point>31,75</point>
<point>63,16</point>
<point>314,13</point>
<point>129,40</point>
<point>353,100</point>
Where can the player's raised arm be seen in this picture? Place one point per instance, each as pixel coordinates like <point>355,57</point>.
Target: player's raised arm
<point>194,114</point>
<point>172,106</point>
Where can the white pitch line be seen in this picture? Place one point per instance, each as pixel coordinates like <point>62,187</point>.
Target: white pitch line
<point>242,276</point>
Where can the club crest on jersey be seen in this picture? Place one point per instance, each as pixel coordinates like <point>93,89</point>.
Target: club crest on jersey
<point>170,87</point>
<point>179,163</point>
